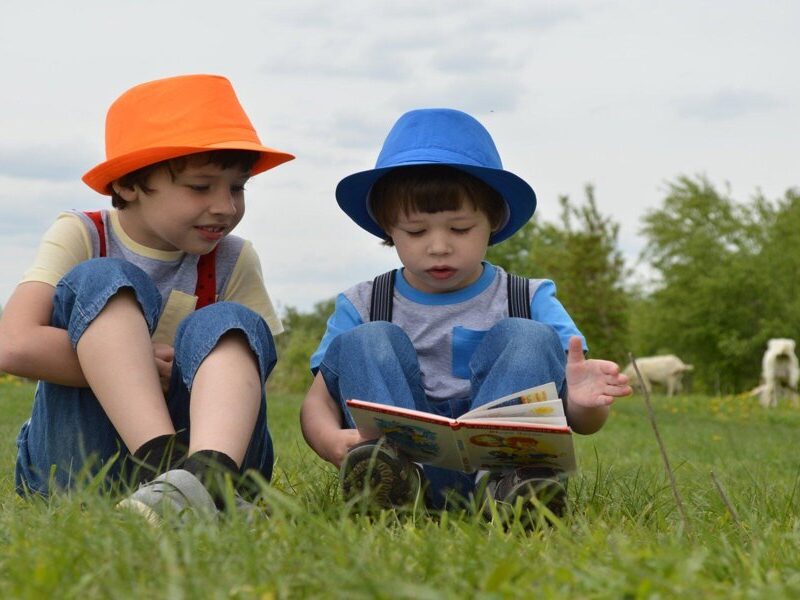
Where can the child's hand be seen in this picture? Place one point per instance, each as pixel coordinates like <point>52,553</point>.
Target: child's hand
<point>164,354</point>
<point>593,382</point>
<point>339,443</point>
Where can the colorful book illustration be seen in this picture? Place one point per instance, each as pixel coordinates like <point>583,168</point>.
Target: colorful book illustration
<point>527,428</point>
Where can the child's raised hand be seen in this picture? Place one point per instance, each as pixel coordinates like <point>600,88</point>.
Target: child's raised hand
<point>593,382</point>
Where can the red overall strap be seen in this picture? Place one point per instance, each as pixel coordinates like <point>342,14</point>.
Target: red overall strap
<point>97,218</point>
<point>206,289</point>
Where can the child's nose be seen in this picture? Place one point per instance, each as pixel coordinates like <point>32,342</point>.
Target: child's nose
<point>224,203</point>
<point>439,244</point>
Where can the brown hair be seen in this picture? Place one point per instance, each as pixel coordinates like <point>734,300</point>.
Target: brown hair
<point>431,189</point>
<point>225,159</point>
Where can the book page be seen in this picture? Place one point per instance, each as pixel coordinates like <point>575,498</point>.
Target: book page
<point>548,411</point>
<point>422,437</point>
<point>498,445</point>
<point>553,421</point>
<point>534,395</point>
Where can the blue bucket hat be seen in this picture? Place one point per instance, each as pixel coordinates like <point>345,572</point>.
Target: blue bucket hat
<point>439,136</point>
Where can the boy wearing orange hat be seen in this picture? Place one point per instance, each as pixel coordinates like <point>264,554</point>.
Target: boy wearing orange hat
<point>148,326</point>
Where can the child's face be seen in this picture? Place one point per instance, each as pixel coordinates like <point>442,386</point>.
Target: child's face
<point>442,252</point>
<point>191,213</point>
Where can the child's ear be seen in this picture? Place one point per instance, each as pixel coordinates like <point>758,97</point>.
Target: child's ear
<point>128,194</point>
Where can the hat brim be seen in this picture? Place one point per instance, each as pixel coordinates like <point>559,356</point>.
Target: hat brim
<point>352,194</point>
<point>100,177</point>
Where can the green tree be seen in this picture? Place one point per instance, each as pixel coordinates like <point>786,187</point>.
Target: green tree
<point>580,254</point>
<point>301,337</point>
<point>778,263</point>
<point>719,267</point>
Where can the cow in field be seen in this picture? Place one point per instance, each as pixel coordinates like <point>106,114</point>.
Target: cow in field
<point>779,373</point>
<point>666,370</point>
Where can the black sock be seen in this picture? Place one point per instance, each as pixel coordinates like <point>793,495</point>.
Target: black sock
<point>156,456</point>
<point>211,468</point>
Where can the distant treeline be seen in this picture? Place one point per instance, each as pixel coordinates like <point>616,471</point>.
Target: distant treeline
<point>725,279</point>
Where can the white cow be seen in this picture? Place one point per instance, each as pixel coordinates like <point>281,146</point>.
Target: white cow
<point>779,373</point>
<point>666,370</point>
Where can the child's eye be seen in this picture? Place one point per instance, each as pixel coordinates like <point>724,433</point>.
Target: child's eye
<point>198,188</point>
<point>416,233</point>
<point>461,230</point>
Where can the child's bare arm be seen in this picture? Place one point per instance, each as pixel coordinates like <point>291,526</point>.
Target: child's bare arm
<point>321,423</point>
<point>592,386</point>
<point>29,346</point>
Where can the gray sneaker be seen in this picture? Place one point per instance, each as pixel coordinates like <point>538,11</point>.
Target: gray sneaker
<point>175,492</point>
<point>375,471</point>
<point>251,512</point>
<point>546,485</point>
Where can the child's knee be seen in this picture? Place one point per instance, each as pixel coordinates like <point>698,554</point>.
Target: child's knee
<point>523,333</point>
<point>99,271</point>
<point>221,317</point>
<point>375,335</point>
<point>201,331</point>
<point>377,343</point>
<point>86,289</point>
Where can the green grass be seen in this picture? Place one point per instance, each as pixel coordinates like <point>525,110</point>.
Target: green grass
<point>623,539</point>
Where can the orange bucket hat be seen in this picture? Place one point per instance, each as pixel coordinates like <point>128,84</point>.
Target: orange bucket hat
<point>173,117</point>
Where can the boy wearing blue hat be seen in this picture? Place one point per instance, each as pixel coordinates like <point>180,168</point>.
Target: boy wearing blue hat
<point>449,331</point>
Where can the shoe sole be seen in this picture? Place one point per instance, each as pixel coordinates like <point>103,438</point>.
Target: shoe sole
<point>549,492</point>
<point>140,508</point>
<point>372,471</point>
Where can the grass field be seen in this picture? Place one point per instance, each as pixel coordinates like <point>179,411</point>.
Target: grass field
<point>624,537</point>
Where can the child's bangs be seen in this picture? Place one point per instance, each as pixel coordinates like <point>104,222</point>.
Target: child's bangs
<point>432,189</point>
<point>430,197</point>
<point>225,159</point>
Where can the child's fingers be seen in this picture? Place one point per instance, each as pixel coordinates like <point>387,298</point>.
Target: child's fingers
<point>619,391</point>
<point>616,379</point>
<point>599,400</point>
<point>575,349</point>
<point>607,367</point>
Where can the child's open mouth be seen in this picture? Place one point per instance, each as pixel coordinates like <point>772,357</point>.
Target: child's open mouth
<point>212,234</point>
<point>441,272</point>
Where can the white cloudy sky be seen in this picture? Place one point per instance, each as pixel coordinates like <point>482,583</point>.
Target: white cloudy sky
<point>622,94</point>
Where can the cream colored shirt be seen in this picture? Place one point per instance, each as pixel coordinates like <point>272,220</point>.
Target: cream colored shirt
<point>67,243</point>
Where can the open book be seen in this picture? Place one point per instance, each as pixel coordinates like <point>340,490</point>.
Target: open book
<point>527,428</point>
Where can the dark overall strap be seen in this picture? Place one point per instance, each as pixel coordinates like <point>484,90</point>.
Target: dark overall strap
<point>206,288</point>
<point>380,304</point>
<point>519,304</point>
<point>97,218</point>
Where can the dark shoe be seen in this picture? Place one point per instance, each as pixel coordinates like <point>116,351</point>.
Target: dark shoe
<point>547,486</point>
<point>376,472</point>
